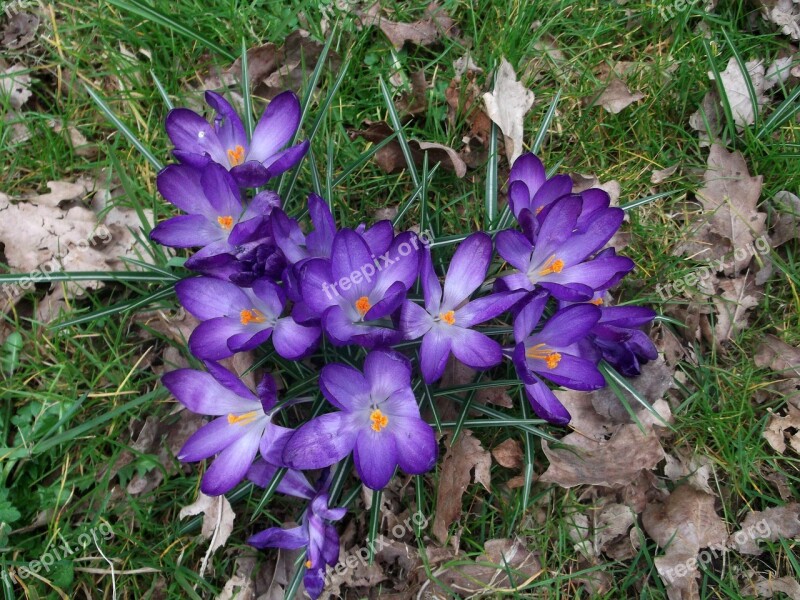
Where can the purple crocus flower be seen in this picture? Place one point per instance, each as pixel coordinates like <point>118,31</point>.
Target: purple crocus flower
<point>446,321</point>
<point>558,261</point>
<point>558,352</point>
<point>378,420</point>
<point>242,427</point>
<point>530,189</point>
<point>252,163</point>
<point>355,292</point>
<point>216,220</point>
<point>237,319</point>
<point>315,532</point>
<point>620,340</point>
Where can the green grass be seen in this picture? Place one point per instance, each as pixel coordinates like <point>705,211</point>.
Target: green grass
<point>77,393</point>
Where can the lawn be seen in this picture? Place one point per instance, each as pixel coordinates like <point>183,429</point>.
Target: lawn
<point>693,477</point>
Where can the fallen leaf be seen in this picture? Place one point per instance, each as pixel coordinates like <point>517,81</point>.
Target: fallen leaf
<point>696,469</point>
<point>760,587</point>
<point>787,222</point>
<point>218,517</point>
<point>508,454</point>
<point>77,140</point>
<point>435,25</point>
<point>773,524</point>
<point>707,120</point>
<point>777,428</point>
<point>415,102</point>
<point>736,89</point>
<point>16,83</point>
<point>653,382</point>
<point>465,64</point>
<point>683,524</point>
<point>464,97</point>
<point>783,13</point>
<point>506,105</point>
<point>661,175</point>
<point>612,524</point>
<point>736,298</point>
<point>611,463</point>
<point>462,458</point>
<point>241,585</point>
<point>617,96</point>
<point>20,30</point>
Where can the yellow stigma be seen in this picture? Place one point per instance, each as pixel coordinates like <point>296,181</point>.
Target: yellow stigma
<point>363,305</point>
<point>225,222</point>
<point>308,564</point>
<point>553,265</point>
<point>449,317</point>
<point>379,420</point>
<point>542,352</point>
<point>236,156</point>
<point>596,301</point>
<point>539,209</point>
<point>251,316</point>
<point>242,419</point>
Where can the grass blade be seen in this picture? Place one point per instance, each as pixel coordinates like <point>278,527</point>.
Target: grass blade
<point>374,522</point>
<point>490,210</point>
<point>398,129</point>
<point>161,90</point>
<point>159,294</point>
<point>726,105</point>
<point>246,97</point>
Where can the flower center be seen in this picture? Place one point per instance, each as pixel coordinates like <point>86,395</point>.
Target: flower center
<point>252,315</point>
<point>379,420</point>
<point>553,265</point>
<point>449,317</point>
<point>539,209</point>
<point>236,156</point>
<point>243,419</point>
<point>542,352</point>
<point>363,305</point>
<point>225,222</point>
<point>308,564</point>
<point>596,301</point>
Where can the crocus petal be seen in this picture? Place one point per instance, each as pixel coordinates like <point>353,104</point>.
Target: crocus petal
<point>433,354</point>
<point>293,483</point>
<point>431,288</point>
<point>288,236</point>
<point>390,302</point>
<point>556,228</point>
<point>273,442</point>
<point>551,190</point>
<point>286,159</point>
<point>488,307</point>
<point>321,442</point>
<point>249,339</point>
<point>416,445</point>
<point>375,457</point>
<point>320,241</point>
<point>528,315</point>
<point>271,297</point>
<point>379,237</point>
<point>344,386</point>
<point>350,254</point>
<point>386,372</point>
<point>415,321</point>
<point>207,297</point>
<point>467,270</point>
<point>316,284</point>
<point>250,174</point>
<point>230,467</point>
<point>474,349</point>
<point>228,380</point>
<point>575,373</point>
<point>515,248</point>
<point>202,394</point>
<point>569,292</point>
<point>627,316</point>
<point>229,127</point>
<point>293,341</point>
<point>221,190</point>
<point>545,404</point>
<point>569,325</point>
<point>594,273</point>
<point>180,185</point>
<point>210,439</point>
<point>399,263</point>
<point>262,205</point>
<point>528,169</point>
<point>275,537</point>
<point>209,340</point>
<point>186,231</point>
<point>519,197</point>
<point>189,132</point>
<point>275,128</point>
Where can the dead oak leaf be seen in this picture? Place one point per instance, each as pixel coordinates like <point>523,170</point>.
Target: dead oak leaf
<point>464,457</point>
<point>434,25</point>
<point>777,430</point>
<point>218,517</point>
<point>737,297</point>
<point>15,83</point>
<point>612,463</point>
<point>20,30</point>
<point>506,105</point>
<point>772,524</point>
<point>617,97</point>
<point>508,454</point>
<point>736,89</point>
<point>760,587</point>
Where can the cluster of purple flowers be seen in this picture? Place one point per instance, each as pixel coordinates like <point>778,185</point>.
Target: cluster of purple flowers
<point>263,280</point>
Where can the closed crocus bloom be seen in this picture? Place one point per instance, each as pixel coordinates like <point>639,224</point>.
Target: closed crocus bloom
<point>378,421</point>
<point>251,162</point>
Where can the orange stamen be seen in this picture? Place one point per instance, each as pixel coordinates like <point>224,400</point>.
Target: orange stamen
<point>308,564</point>
<point>251,316</point>
<point>236,156</point>
<point>243,419</point>
<point>596,301</point>
<point>379,420</point>
<point>553,265</point>
<point>542,352</point>
<point>449,317</point>
<point>539,209</point>
<point>363,305</point>
<point>225,222</point>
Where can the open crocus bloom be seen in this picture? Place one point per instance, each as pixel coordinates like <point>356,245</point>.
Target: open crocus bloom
<point>446,321</point>
<point>378,420</point>
<point>530,189</point>
<point>355,292</point>
<point>315,532</point>
<point>558,261</point>
<point>558,352</point>
<point>242,427</point>
<point>252,163</point>
<point>237,319</point>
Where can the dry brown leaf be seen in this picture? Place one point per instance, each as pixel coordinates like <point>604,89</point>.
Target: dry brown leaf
<point>20,30</point>
<point>777,428</point>
<point>787,222</point>
<point>612,525</point>
<point>695,469</point>
<point>655,380</point>
<point>218,517</point>
<point>736,298</point>
<point>15,83</point>
<point>683,524</point>
<point>507,104</point>
<point>462,458</point>
<point>736,89</point>
<point>783,13</point>
<point>760,587</point>
<point>661,175</point>
<point>773,353</point>
<point>773,524</point>
<point>617,96</point>
<point>611,463</point>
<point>464,102</point>
<point>707,120</point>
<point>506,554</point>
<point>415,102</point>
<point>508,454</point>
<point>241,585</point>
<point>435,25</point>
